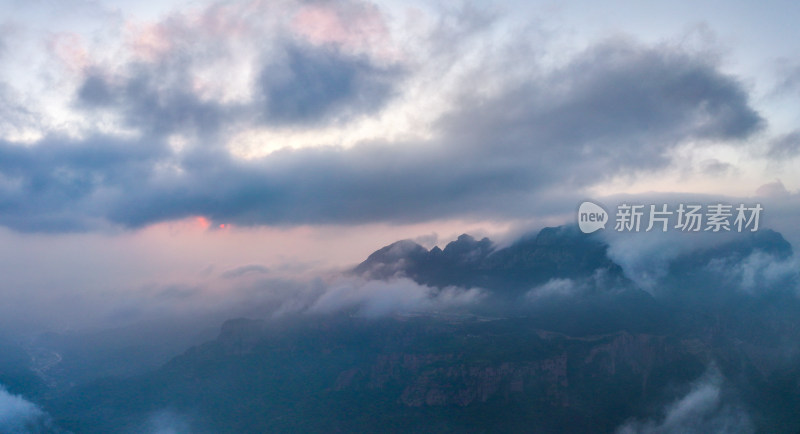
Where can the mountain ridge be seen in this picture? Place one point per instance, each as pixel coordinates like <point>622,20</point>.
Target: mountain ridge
<point>561,252</point>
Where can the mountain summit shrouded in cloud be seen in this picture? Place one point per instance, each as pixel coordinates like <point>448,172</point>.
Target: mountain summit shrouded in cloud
<point>167,167</point>
<point>552,254</point>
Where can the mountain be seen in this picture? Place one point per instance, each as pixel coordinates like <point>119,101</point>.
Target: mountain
<point>562,252</point>
<point>704,352</point>
<point>423,374</point>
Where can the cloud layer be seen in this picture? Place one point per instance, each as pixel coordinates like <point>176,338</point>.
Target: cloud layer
<point>19,416</point>
<point>537,137</point>
<point>705,408</point>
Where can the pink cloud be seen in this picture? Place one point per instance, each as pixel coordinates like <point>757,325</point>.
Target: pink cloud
<point>69,48</point>
<point>149,42</point>
<point>357,27</point>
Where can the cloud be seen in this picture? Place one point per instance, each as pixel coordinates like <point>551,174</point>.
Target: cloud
<point>617,102</point>
<point>428,241</point>
<point>537,138</point>
<point>336,294</point>
<point>760,272</point>
<point>705,408</point>
<point>377,298</point>
<point>62,184</point>
<point>314,84</point>
<point>150,102</point>
<point>788,78</point>
<point>715,167</point>
<point>554,288</point>
<point>754,265</point>
<point>785,146</point>
<point>19,416</point>
<point>166,422</point>
<point>16,118</point>
<point>772,189</point>
<point>564,288</point>
<point>207,298</point>
<point>730,265</point>
<point>333,294</point>
<point>645,257</point>
<point>245,269</point>
<point>275,74</point>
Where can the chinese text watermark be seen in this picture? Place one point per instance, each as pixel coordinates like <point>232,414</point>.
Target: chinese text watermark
<point>718,217</point>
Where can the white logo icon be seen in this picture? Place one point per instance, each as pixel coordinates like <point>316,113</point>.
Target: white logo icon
<point>591,217</point>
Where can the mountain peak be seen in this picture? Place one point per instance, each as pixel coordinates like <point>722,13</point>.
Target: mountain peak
<point>553,253</point>
<point>391,260</point>
<point>467,249</point>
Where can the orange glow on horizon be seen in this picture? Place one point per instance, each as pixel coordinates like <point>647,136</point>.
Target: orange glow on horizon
<point>203,222</point>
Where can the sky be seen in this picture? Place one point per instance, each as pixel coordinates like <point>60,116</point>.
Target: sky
<point>152,148</point>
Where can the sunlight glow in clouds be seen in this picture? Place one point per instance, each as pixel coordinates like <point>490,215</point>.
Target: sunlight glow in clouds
<point>258,143</point>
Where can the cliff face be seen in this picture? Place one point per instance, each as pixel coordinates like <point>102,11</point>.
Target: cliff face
<point>435,371</point>
<point>432,374</point>
<point>424,383</point>
<point>557,378</point>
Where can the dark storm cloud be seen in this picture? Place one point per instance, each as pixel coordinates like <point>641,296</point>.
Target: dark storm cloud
<point>147,105</point>
<point>616,107</point>
<point>62,185</point>
<point>311,85</point>
<point>315,84</point>
<point>95,91</point>
<point>362,184</point>
<point>299,84</point>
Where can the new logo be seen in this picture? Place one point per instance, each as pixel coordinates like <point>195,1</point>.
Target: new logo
<point>591,217</point>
